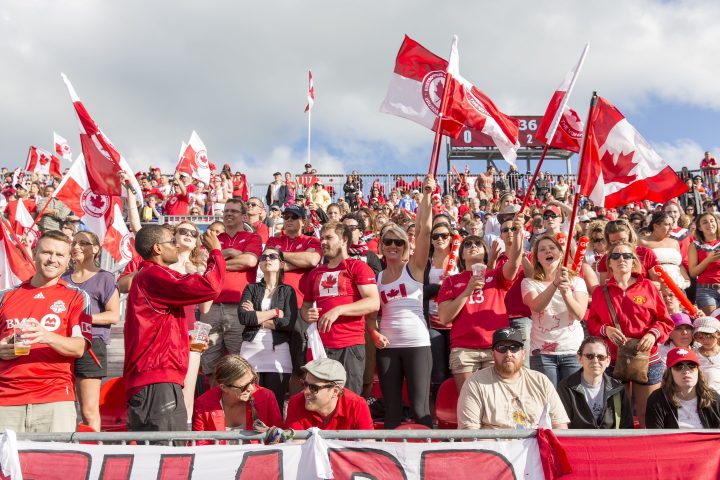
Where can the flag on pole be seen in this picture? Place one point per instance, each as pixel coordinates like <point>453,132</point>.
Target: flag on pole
<point>194,160</point>
<point>467,105</point>
<point>416,87</point>
<point>15,263</point>
<point>619,166</point>
<point>62,147</point>
<point>102,159</point>
<point>311,92</point>
<point>23,224</point>
<point>568,126</point>
<point>42,162</point>
<point>118,241</point>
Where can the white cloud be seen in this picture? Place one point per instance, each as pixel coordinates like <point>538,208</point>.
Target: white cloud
<point>683,153</point>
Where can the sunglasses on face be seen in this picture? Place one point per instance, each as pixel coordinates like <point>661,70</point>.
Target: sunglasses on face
<point>598,240</point>
<point>506,348</point>
<point>290,216</point>
<point>593,356</point>
<point>269,256</point>
<point>393,241</point>
<point>438,236</point>
<point>82,243</point>
<point>509,229</point>
<point>704,335</point>
<point>684,366</point>
<point>550,216</point>
<point>618,256</point>
<point>240,390</point>
<point>173,240</point>
<point>316,388</point>
<point>187,231</point>
<point>472,243</point>
<point>252,205</point>
<point>352,227</point>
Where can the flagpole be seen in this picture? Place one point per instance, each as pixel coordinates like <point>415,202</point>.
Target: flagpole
<point>435,157</point>
<point>576,200</point>
<point>534,177</point>
<point>308,147</point>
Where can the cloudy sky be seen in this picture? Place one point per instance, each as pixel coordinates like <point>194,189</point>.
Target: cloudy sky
<point>151,71</point>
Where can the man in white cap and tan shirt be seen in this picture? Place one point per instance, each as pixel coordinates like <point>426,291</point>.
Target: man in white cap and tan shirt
<point>325,402</point>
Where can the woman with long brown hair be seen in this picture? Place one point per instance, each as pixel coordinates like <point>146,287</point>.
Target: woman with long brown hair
<point>704,262</point>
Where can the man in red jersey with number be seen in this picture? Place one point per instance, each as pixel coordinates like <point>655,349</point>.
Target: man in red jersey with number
<point>37,392</point>
<point>302,254</point>
<point>344,290</point>
<point>241,251</point>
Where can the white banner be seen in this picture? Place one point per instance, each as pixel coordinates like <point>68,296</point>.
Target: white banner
<point>511,459</point>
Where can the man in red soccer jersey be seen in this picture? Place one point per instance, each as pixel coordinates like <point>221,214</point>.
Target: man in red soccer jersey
<point>37,391</point>
<point>302,254</point>
<point>344,290</point>
<point>156,332</point>
<point>241,251</point>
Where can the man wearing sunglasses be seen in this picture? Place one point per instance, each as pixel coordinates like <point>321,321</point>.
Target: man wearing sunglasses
<point>325,402</point>
<point>255,215</point>
<point>156,332</point>
<point>507,395</point>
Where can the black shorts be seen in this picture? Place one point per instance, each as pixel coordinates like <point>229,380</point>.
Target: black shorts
<point>158,407</point>
<point>87,367</point>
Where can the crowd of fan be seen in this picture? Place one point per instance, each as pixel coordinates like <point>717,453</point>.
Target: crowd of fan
<point>365,285</point>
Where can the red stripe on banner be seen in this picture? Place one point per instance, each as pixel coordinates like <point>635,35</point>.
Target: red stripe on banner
<point>415,61</point>
<point>659,188</point>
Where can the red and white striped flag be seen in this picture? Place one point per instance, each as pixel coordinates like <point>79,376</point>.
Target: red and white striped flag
<point>16,265</point>
<point>42,162</point>
<point>194,160</point>
<point>24,224</point>
<point>311,92</point>
<point>62,147</point>
<point>102,160</point>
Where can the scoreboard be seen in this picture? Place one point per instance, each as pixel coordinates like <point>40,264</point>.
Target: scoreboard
<point>526,136</point>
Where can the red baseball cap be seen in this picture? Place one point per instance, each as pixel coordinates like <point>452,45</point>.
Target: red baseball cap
<point>681,354</point>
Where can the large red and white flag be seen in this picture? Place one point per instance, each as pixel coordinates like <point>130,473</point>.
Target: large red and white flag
<point>311,92</point>
<point>560,121</point>
<point>194,160</point>
<point>42,162</point>
<point>467,105</point>
<point>417,86</point>
<point>118,241</point>
<point>62,147</point>
<point>16,266</point>
<point>102,160</point>
<point>24,224</point>
<point>619,166</point>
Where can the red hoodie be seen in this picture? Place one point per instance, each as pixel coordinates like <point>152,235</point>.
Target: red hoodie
<point>156,332</point>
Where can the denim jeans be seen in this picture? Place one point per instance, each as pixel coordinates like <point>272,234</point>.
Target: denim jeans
<point>556,367</point>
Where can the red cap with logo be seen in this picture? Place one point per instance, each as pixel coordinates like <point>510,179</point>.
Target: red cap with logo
<point>680,354</point>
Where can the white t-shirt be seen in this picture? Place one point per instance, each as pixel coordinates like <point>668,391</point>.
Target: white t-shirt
<point>711,369</point>
<point>401,303</point>
<point>435,277</point>
<point>553,332</point>
<point>688,415</point>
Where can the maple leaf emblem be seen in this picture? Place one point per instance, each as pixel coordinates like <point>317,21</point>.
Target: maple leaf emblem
<point>393,293</point>
<point>440,89</point>
<point>329,282</point>
<point>44,159</point>
<point>618,171</point>
<point>97,201</point>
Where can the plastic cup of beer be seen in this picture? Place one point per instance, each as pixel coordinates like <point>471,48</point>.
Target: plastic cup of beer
<point>479,269</point>
<point>200,337</point>
<point>22,347</point>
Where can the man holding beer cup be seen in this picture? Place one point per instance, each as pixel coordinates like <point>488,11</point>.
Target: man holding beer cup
<point>45,324</point>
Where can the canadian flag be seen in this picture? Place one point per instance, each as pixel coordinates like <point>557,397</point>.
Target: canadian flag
<point>311,93</point>
<point>417,86</point>
<point>194,160</point>
<point>43,162</point>
<point>118,241</point>
<point>102,160</point>
<point>62,147</point>
<point>467,105</point>
<point>569,126</point>
<point>619,166</point>
<point>24,225</point>
<point>16,266</point>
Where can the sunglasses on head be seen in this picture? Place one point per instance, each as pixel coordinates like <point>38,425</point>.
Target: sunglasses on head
<point>472,243</point>
<point>679,367</point>
<point>269,256</point>
<point>505,348</point>
<point>509,229</point>
<point>618,256</point>
<point>438,236</point>
<point>593,356</point>
<point>187,231</point>
<point>316,388</point>
<point>393,241</point>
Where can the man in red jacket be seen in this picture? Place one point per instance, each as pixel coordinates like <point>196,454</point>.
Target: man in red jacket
<point>156,333</point>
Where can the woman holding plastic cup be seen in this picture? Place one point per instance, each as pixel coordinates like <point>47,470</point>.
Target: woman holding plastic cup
<point>475,305</point>
<point>192,258</point>
<point>557,299</point>
<point>101,287</point>
<point>268,310</point>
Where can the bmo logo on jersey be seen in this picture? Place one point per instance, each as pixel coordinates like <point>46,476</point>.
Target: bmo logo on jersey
<point>329,284</point>
<point>49,322</point>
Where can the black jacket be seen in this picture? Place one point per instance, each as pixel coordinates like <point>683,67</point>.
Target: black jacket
<point>661,414</point>
<point>284,298</point>
<point>579,411</point>
<point>283,196</point>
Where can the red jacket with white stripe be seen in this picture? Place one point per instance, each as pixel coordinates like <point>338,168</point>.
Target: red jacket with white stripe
<point>156,332</point>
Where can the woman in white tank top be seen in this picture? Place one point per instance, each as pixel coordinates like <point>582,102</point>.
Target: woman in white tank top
<point>403,339</point>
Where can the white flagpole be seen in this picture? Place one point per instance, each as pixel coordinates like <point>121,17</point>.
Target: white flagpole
<point>308,148</point>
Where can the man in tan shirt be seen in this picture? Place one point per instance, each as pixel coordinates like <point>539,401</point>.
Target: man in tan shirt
<point>506,394</point>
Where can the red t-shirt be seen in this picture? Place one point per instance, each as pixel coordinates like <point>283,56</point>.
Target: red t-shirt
<point>302,243</point>
<point>262,230</point>
<point>177,204</point>
<point>514,304</point>
<point>712,273</point>
<point>235,282</point>
<point>330,287</point>
<point>44,376</point>
<point>647,259</point>
<point>483,312</point>
<point>351,413</point>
